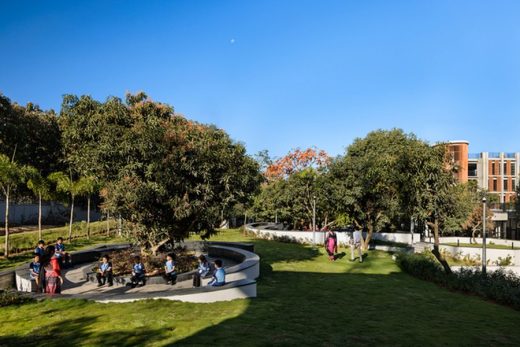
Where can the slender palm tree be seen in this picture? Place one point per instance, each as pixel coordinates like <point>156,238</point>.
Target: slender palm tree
<point>40,186</point>
<point>65,184</point>
<point>11,175</point>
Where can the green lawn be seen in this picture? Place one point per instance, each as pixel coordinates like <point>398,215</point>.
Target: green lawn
<point>25,240</point>
<point>303,299</point>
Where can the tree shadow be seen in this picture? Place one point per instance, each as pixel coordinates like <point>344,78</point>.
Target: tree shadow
<point>335,309</point>
<point>80,331</point>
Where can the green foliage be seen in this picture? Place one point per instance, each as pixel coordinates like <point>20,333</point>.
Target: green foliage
<point>507,261</point>
<point>13,297</point>
<point>500,286</point>
<point>163,174</point>
<point>31,134</point>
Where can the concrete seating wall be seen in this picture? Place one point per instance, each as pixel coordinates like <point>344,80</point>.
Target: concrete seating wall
<point>24,283</point>
<point>240,278</point>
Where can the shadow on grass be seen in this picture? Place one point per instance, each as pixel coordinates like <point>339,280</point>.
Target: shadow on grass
<point>75,332</point>
<point>339,309</point>
<point>355,308</point>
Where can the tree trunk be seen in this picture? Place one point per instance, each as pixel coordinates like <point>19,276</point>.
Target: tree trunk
<point>108,223</point>
<point>436,252</point>
<point>88,217</point>
<point>39,216</point>
<point>473,233</point>
<point>369,236</point>
<point>71,218</point>
<point>120,226</point>
<point>155,248</point>
<point>6,250</point>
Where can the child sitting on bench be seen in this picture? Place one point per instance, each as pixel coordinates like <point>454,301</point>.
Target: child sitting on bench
<point>219,276</point>
<point>170,274</point>
<point>104,273</point>
<point>34,271</point>
<point>138,272</point>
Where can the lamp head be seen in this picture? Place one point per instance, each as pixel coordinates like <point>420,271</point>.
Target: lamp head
<point>484,200</point>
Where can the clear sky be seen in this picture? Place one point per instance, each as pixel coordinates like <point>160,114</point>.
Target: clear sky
<point>281,74</point>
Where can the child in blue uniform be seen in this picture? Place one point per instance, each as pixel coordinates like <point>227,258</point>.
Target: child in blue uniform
<point>138,272</point>
<point>202,270</point>
<point>63,257</point>
<point>40,248</point>
<point>219,276</point>
<point>104,273</point>
<point>170,273</point>
<point>34,270</point>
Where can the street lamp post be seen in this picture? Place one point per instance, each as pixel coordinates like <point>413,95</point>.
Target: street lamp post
<point>276,217</point>
<point>314,221</point>
<point>484,236</point>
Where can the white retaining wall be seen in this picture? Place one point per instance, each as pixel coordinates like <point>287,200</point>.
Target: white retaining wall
<point>476,253</point>
<point>343,237</point>
<point>463,239</point>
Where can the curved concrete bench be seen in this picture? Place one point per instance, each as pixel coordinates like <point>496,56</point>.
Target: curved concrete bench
<point>240,289</point>
<point>25,284</point>
<point>240,278</point>
<point>248,266</point>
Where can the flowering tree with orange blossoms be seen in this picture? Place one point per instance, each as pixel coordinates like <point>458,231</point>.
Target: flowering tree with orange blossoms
<point>297,161</point>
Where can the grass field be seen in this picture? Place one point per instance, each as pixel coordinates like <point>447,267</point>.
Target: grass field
<point>29,240</point>
<point>303,299</point>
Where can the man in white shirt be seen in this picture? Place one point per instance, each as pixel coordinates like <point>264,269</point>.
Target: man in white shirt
<point>355,243</point>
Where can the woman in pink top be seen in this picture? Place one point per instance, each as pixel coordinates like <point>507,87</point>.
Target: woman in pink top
<point>52,268</point>
<point>331,244</point>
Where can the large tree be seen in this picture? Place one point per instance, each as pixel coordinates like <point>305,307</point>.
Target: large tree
<point>31,133</point>
<point>163,174</point>
<point>429,190</point>
<point>367,180</point>
<point>293,184</point>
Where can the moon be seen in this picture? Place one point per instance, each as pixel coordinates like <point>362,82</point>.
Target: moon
<point>232,41</point>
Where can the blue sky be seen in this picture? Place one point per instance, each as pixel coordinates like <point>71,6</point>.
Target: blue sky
<point>281,74</point>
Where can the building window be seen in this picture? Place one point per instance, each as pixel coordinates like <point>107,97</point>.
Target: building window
<point>492,168</point>
<point>513,185</point>
<point>513,168</point>
<point>505,168</point>
<point>472,169</point>
<point>505,187</point>
<point>495,185</point>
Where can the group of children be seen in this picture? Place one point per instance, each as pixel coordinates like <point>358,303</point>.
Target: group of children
<point>45,269</point>
<point>105,274</point>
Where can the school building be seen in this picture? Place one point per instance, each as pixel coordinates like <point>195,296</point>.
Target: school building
<point>496,172</point>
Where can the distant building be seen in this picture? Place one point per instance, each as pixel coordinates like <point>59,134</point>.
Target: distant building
<point>496,172</point>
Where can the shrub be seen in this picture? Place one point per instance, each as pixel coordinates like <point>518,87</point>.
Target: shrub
<point>123,260</point>
<point>12,297</point>
<point>500,286</point>
<point>504,261</point>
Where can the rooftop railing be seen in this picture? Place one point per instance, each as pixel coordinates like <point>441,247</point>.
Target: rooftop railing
<point>474,155</point>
